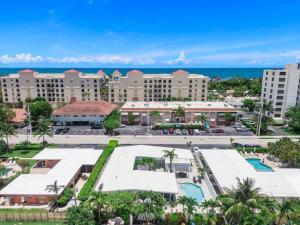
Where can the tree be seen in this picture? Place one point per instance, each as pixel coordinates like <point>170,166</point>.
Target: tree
<point>131,118</point>
<point>287,151</point>
<point>7,130</point>
<point>182,200</point>
<point>97,201</point>
<point>250,104</point>
<point>228,117</point>
<point>79,216</point>
<point>202,118</point>
<point>210,205</point>
<point>286,210</point>
<point>55,189</point>
<point>43,129</point>
<point>191,207</point>
<point>170,154</point>
<point>104,93</point>
<point>179,112</point>
<point>40,109</point>
<point>293,116</point>
<point>154,115</point>
<point>6,113</point>
<point>112,121</point>
<point>241,201</point>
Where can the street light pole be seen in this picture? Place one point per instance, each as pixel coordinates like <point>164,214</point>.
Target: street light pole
<point>29,120</point>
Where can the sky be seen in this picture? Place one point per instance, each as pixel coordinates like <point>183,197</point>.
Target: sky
<point>149,33</point>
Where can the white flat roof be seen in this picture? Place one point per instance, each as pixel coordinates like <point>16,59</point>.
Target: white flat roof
<point>174,105</point>
<point>227,165</point>
<point>70,162</point>
<point>120,176</point>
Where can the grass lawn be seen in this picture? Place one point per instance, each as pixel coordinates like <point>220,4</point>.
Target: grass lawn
<point>21,153</point>
<point>31,223</point>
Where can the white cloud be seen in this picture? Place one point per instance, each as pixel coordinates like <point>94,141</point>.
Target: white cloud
<point>181,59</point>
<point>106,59</point>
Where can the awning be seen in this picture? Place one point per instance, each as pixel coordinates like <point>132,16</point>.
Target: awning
<point>144,114</point>
<point>124,113</point>
<point>197,114</point>
<point>161,114</point>
<point>167,120</point>
<point>136,114</point>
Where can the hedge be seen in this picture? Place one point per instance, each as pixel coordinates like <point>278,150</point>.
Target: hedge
<point>65,197</point>
<point>178,126</point>
<point>248,125</point>
<point>88,186</point>
<point>28,146</point>
<point>252,149</point>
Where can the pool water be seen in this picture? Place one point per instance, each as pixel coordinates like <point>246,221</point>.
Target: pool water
<point>258,165</point>
<point>4,171</point>
<point>192,191</point>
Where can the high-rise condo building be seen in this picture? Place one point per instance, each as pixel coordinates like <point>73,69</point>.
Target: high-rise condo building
<point>137,86</point>
<point>29,84</point>
<point>281,87</point>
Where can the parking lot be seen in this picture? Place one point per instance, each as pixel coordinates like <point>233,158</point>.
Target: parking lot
<point>143,130</point>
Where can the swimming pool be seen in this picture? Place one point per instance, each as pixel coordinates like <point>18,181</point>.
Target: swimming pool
<point>192,191</point>
<point>258,165</point>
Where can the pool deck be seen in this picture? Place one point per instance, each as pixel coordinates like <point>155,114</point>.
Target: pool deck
<point>205,190</point>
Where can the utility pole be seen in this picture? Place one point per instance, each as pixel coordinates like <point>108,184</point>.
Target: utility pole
<point>29,129</point>
<point>148,123</point>
<point>259,119</point>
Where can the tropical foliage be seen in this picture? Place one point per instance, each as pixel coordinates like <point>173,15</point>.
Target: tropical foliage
<point>293,116</point>
<point>250,104</point>
<point>54,189</point>
<point>112,121</point>
<point>287,151</point>
<point>149,162</point>
<point>79,216</point>
<point>171,155</point>
<point>43,128</point>
<point>179,112</point>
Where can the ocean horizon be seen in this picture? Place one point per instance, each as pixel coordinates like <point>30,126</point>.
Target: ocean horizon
<point>224,73</point>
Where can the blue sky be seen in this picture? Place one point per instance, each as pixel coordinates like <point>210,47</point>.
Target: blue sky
<point>149,33</point>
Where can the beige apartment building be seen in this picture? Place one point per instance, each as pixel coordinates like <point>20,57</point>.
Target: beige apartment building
<point>29,84</point>
<point>137,86</point>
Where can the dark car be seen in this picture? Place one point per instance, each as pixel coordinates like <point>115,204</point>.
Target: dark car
<point>96,126</point>
<point>218,131</point>
<point>236,145</point>
<point>165,131</point>
<point>191,132</point>
<point>171,130</point>
<point>144,124</point>
<point>58,130</point>
<point>65,130</point>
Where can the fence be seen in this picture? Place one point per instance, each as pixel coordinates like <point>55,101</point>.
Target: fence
<point>32,216</point>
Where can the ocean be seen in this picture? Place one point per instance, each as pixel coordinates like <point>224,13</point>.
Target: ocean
<point>224,73</point>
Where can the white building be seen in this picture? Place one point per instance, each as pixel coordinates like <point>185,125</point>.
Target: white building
<point>119,173</point>
<point>225,166</point>
<point>282,88</point>
<point>62,165</point>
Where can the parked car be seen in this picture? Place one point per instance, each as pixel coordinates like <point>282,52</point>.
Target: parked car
<point>144,124</point>
<point>171,130</point>
<point>165,131</point>
<point>191,132</point>
<point>184,132</point>
<point>242,129</point>
<point>58,130</point>
<point>122,126</point>
<point>218,131</point>
<point>65,130</point>
<point>96,126</point>
<point>196,132</point>
<point>178,132</point>
<point>236,145</point>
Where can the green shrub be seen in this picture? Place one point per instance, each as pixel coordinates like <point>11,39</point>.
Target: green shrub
<point>28,146</point>
<point>252,149</point>
<point>65,197</point>
<point>3,146</point>
<point>248,125</point>
<point>174,219</point>
<point>88,186</point>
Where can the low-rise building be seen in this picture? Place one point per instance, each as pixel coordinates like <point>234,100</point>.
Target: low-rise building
<point>54,87</point>
<point>215,112</point>
<point>19,120</point>
<point>82,112</point>
<point>64,166</point>
<point>137,86</point>
<point>237,102</point>
<point>119,173</point>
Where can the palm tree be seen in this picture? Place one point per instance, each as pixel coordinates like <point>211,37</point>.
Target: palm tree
<point>54,188</point>
<point>210,205</point>
<point>154,115</point>
<point>202,118</point>
<point>6,113</point>
<point>179,112</point>
<point>104,93</point>
<point>97,201</point>
<point>170,154</point>
<point>287,211</point>
<point>43,129</point>
<point>183,201</point>
<point>191,207</point>
<point>240,201</point>
<point>6,130</point>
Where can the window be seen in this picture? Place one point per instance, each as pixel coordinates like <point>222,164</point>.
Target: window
<point>282,73</point>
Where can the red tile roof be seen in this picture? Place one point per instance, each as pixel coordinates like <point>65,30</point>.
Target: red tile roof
<point>180,72</point>
<point>86,108</point>
<point>72,71</point>
<point>101,72</point>
<point>27,71</point>
<point>133,72</point>
<point>20,116</point>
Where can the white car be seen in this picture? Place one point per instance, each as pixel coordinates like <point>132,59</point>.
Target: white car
<point>196,131</point>
<point>178,132</point>
<point>122,125</point>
